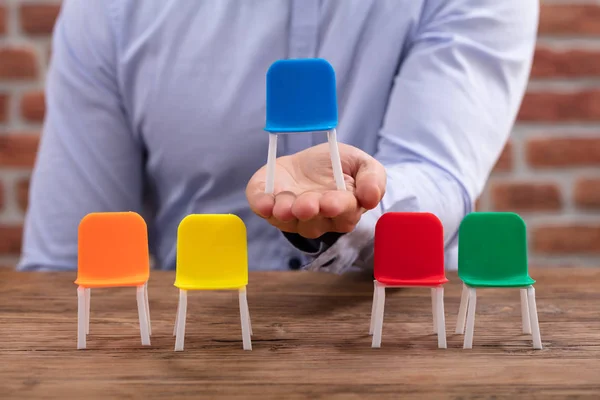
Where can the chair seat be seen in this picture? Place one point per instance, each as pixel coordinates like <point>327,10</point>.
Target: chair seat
<point>112,282</point>
<point>437,281</point>
<point>209,286</point>
<point>511,282</point>
<point>282,129</point>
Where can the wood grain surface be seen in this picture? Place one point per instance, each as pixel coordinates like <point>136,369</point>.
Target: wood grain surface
<point>310,341</point>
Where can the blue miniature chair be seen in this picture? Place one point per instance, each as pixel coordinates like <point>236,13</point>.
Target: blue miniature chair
<point>301,97</point>
<point>492,252</point>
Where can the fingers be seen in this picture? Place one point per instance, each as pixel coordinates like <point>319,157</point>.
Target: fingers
<point>336,211</point>
<point>313,214</point>
<point>315,227</point>
<point>262,204</point>
<point>370,182</point>
<point>346,222</point>
<point>342,208</point>
<point>300,214</point>
<point>291,226</point>
<point>335,203</point>
<point>282,210</point>
<point>306,206</point>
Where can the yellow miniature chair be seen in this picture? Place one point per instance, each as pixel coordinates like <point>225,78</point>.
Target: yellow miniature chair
<point>211,255</point>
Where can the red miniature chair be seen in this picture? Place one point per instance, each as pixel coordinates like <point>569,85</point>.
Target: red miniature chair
<point>409,252</point>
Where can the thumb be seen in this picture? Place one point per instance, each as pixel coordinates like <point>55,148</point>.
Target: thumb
<point>370,181</point>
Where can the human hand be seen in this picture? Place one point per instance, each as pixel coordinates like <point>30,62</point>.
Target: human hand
<point>305,199</point>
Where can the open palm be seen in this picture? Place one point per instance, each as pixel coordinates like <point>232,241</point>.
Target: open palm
<point>305,199</point>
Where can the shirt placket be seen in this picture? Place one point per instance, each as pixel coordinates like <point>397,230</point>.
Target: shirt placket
<point>303,38</point>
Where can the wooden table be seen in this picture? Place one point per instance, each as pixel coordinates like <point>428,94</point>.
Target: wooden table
<point>310,341</point>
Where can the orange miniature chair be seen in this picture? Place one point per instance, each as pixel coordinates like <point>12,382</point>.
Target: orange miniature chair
<point>212,255</point>
<point>113,252</point>
<point>409,252</point>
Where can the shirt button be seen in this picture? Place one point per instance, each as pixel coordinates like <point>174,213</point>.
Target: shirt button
<point>294,263</point>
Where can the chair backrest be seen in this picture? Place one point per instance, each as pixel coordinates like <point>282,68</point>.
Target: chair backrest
<point>212,252</point>
<point>113,246</point>
<point>301,96</point>
<point>492,246</point>
<point>409,246</point>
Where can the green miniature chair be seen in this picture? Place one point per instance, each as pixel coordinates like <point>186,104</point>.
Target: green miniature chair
<point>492,252</point>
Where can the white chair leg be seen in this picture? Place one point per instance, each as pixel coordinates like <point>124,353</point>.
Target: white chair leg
<point>249,318</point>
<point>245,319</point>
<point>535,326</point>
<point>176,318</point>
<point>88,295</point>
<point>81,318</point>
<point>468,343</point>
<point>441,320</point>
<point>271,157</point>
<point>181,316</point>
<point>462,311</point>
<point>379,316</point>
<point>148,309</point>
<point>143,315</point>
<point>525,322</point>
<point>373,308</point>
<point>336,163</point>
<point>434,309</point>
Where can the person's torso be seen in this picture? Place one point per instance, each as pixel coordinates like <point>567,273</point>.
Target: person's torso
<point>192,76</point>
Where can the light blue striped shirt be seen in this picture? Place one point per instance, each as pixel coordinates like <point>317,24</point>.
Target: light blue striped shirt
<point>158,107</point>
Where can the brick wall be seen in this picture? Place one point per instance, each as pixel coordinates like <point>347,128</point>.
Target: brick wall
<point>25,28</point>
<point>549,172</point>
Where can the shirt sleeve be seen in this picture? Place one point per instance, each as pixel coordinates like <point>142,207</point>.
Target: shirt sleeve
<point>453,104</point>
<point>88,159</point>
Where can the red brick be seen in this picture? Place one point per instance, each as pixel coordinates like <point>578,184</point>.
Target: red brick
<point>17,63</point>
<point>563,152</point>
<point>565,63</point>
<point>569,19</point>
<point>38,18</point>
<point>526,196</point>
<point>566,239</point>
<point>23,194</point>
<point>1,196</point>
<point>18,150</point>
<point>10,239</point>
<point>549,106</point>
<point>505,161</point>
<point>33,106</point>
<point>587,193</point>
<point>3,107</point>
<point>2,19</point>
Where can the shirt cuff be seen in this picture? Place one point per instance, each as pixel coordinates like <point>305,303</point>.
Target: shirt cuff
<point>312,247</point>
<point>350,251</point>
